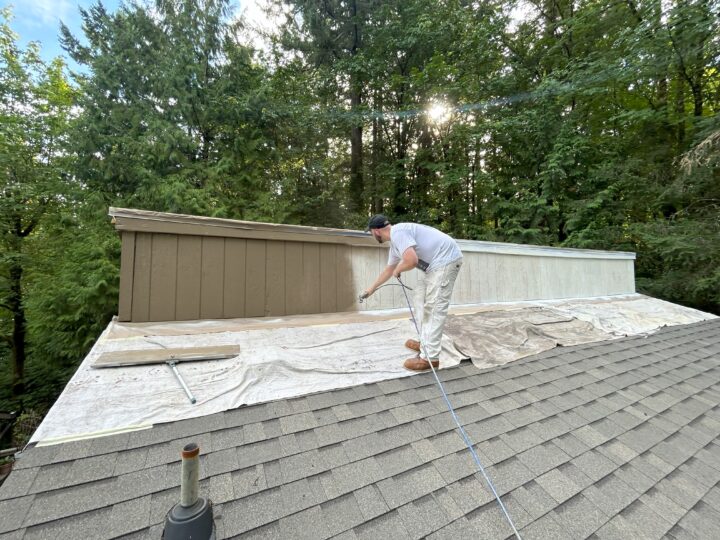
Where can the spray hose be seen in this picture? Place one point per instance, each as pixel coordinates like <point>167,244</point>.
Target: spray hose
<point>463,433</point>
<point>364,296</point>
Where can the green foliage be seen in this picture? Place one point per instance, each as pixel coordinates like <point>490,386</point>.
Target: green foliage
<point>586,124</point>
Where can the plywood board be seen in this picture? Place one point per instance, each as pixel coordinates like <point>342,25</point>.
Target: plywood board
<point>275,278</point>
<point>162,356</point>
<point>255,272</point>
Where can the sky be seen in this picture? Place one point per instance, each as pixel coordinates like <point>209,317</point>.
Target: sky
<point>39,20</point>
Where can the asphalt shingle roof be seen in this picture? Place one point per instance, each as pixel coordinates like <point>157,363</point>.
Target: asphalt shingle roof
<point>618,439</point>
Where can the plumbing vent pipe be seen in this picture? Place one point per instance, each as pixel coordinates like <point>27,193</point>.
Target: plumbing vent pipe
<point>192,517</point>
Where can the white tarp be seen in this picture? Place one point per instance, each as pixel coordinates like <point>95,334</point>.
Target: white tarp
<point>293,356</point>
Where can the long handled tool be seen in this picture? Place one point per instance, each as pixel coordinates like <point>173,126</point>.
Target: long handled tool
<point>452,412</point>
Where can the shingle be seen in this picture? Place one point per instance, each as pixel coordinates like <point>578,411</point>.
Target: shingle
<point>594,464</point>
<point>252,454</point>
<point>18,483</point>
<point>87,525</point>
<point>341,514</point>
<point>410,485</point>
<point>222,462</point>
<point>702,520</point>
<point>253,432</point>
<point>571,445</point>
<point>469,493</point>
<point>460,528</point>
<point>525,415</point>
<point>489,428</point>
<point>397,460</point>
<point>273,474</point>
<point>493,451</point>
<point>611,495</point>
<point>50,477</point>
<point>681,488</point>
<point>370,502</point>
<point>590,436</point>
<point>227,438</point>
<point>543,457</point>
<point>509,474</point>
<point>521,439</point>
<point>308,524</point>
<point>560,487</point>
<point>252,512</point>
<point>491,522</point>
<point>455,466</point>
<point>535,500</point>
<point>634,478</point>
<point>617,452</point>
<point>221,488</point>
<point>297,496</point>
<point>544,528</point>
<point>385,526</point>
<point>662,505</point>
<point>580,517</point>
<point>54,505</point>
<point>351,477</point>
<point>248,481</point>
<point>422,517</point>
<point>36,456</point>
<point>297,422</point>
<point>13,512</point>
<point>301,465</point>
<point>129,516</point>
<point>644,519</point>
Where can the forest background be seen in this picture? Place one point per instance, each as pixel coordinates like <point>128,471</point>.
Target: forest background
<point>583,123</point>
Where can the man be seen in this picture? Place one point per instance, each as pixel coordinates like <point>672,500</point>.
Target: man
<point>439,258</point>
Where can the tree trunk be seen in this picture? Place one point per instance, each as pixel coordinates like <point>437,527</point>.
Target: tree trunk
<point>356,175</point>
<point>18,335</point>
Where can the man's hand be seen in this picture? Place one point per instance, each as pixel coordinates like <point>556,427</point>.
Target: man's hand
<point>365,294</point>
<point>397,272</point>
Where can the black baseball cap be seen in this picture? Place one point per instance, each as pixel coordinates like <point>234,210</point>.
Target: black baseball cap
<point>378,221</point>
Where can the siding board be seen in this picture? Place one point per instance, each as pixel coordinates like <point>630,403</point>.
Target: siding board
<point>293,277</point>
<point>234,278</point>
<point>255,272</point>
<point>163,276</point>
<point>311,285</point>
<point>127,271</point>
<point>346,297</point>
<point>188,278</point>
<point>328,278</point>
<point>141,279</point>
<point>275,288</point>
<point>212,275</point>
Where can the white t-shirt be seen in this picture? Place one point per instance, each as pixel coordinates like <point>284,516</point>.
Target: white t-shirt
<point>432,246</point>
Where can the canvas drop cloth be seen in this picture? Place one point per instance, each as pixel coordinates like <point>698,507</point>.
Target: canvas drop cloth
<point>299,355</point>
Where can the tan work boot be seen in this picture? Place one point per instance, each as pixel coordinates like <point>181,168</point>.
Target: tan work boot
<point>420,364</point>
<point>413,345</point>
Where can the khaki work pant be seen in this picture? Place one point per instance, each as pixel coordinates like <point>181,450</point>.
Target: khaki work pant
<point>432,301</point>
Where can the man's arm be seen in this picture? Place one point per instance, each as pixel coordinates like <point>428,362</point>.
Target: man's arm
<point>408,262</point>
<point>386,274</point>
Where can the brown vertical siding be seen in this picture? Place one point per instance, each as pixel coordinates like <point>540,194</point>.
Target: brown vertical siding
<point>276,278</point>
<point>213,273</point>
<point>127,270</point>
<point>141,278</point>
<point>255,268</point>
<point>163,277</point>
<point>310,278</point>
<point>293,277</point>
<point>234,279</point>
<point>188,278</point>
